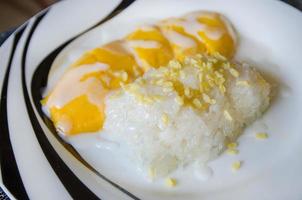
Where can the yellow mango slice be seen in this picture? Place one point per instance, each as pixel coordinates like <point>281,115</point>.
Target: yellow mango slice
<point>225,44</point>
<point>78,116</point>
<point>182,43</point>
<point>210,31</point>
<point>150,48</point>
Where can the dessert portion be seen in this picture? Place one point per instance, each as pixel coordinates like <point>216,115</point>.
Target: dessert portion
<point>76,103</point>
<point>185,112</point>
<point>168,94</point>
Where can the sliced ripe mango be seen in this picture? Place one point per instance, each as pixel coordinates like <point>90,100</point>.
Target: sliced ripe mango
<point>78,116</point>
<point>150,48</point>
<point>211,30</point>
<point>182,43</point>
<point>225,44</point>
<point>119,61</point>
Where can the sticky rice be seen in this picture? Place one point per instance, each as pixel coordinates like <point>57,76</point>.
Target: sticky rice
<point>185,112</point>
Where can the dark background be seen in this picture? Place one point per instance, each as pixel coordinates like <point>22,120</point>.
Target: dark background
<point>15,12</point>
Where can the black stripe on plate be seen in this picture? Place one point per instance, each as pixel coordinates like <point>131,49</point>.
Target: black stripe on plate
<point>3,195</point>
<point>74,186</point>
<point>10,174</point>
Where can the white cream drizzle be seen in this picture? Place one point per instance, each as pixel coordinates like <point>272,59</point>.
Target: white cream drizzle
<point>130,46</point>
<point>147,44</point>
<point>193,26</point>
<point>179,39</point>
<point>63,125</point>
<point>146,28</point>
<point>71,82</point>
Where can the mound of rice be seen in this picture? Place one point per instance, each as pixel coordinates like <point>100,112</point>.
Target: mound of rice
<point>184,112</point>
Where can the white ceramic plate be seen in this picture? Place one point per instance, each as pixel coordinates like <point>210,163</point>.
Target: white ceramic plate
<point>37,164</point>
